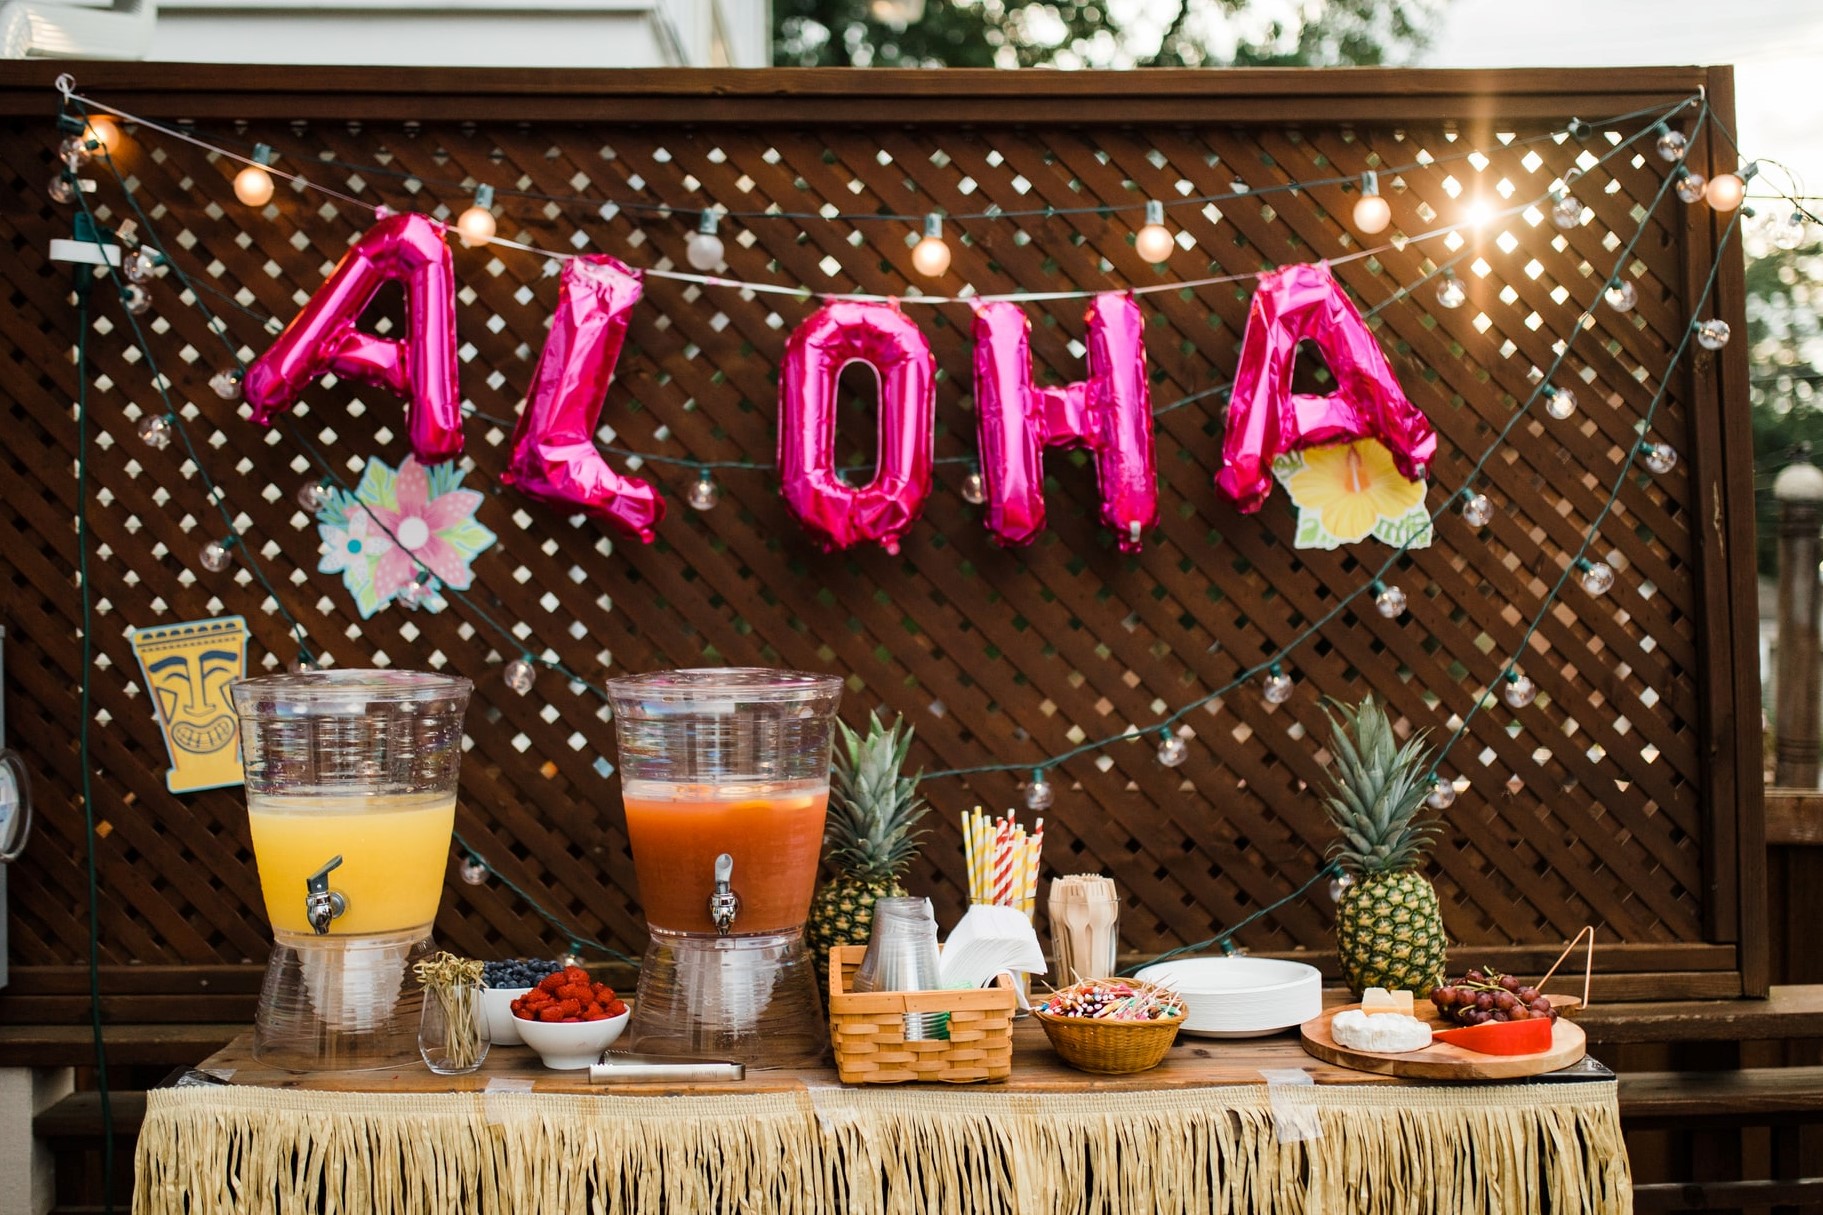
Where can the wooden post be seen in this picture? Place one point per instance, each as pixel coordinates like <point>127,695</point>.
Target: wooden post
<point>1799,491</point>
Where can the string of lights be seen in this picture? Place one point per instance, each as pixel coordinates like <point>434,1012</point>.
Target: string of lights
<point>1171,748</point>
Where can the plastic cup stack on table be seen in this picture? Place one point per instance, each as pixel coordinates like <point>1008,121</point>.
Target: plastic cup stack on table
<point>902,956</point>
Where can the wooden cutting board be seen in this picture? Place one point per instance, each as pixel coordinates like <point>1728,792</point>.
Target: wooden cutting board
<point>1444,1060</point>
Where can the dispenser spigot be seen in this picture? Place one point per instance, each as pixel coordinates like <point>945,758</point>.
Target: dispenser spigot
<point>724,904</point>
<point>321,904</point>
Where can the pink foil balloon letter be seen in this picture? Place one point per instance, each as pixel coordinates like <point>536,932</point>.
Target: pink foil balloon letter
<point>554,457</point>
<point>1110,413</point>
<point>883,510</point>
<point>408,249</point>
<point>1266,419</point>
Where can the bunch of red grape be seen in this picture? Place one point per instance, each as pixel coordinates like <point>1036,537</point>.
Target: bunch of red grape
<point>1487,995</point>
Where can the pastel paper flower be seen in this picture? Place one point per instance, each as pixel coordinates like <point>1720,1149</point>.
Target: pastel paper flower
<point>395,526</point>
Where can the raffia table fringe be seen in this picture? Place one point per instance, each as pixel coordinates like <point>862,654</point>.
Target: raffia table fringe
<point>1500,1149</point>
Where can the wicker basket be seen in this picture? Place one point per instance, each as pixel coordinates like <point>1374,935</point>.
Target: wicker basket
<point>868,1030</point>
<point>1110,1048</point>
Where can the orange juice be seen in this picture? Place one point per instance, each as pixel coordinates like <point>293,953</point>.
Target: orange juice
<point>774,833</point>
<point>393,851</point>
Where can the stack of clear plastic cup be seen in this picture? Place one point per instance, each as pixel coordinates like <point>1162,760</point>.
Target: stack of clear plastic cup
<point>902,956</point>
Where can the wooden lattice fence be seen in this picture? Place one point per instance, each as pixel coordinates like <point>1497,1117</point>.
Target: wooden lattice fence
<point>1627,796</point>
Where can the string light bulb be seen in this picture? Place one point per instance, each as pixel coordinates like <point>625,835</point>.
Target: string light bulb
<point>1786,231</point>
<point>1621,295</point>
<point>1560,403</point>
<point>1660,458</point>
<point>1171,748</point>
<point>1443,793</point>
<point>154,430</point>
<point>520,675</point>
<point>135,298</point>
<point>1691,185</point>
<point>704,249</point>
<point>1389,601</point>
<point>1277,688</point>
<point>974,488</point>
<point>416,592</point>
<point>75,152</point>
<point>1372,211</point>
<point>226,383</point>
<point>472,871</point>
<point>62,189</point>
<point>140,264</point>
<point>1039,795</point>
<point>1597,577</point>
<point>1725,191</point>
<point>103,132</point>
<point>930,256</point>
<point>313,496</point>
<point>1672,143</point>
<point>1566,212</point>
<point>253,184</point>
<point>476,225</point>
<point>1153,242</point>
<point>217,555</point>
<point>1520,690</point>
<point>1338,886</point>
<point>1450,292</point>
<point>1477,509</point>
<point>1713,334</point>
<point>703,493</point>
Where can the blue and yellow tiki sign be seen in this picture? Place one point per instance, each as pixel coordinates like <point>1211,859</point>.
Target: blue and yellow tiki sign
<point>189,668</point>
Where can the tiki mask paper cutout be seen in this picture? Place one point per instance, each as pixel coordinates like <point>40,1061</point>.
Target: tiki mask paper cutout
<point>188,669</point>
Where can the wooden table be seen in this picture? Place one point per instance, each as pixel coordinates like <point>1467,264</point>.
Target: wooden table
<point>1203,1132</point>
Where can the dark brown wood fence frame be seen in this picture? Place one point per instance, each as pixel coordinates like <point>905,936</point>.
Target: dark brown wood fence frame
<point>1731,956</point>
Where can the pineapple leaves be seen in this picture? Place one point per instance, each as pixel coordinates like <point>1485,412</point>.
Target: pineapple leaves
<point>1378,786</point>
<point>873,809</point>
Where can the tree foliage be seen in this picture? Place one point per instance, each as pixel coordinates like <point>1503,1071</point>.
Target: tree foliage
<point>1785,349</point>
<point>1098,33</point>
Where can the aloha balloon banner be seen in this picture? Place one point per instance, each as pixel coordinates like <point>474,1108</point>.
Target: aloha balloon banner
<point>1370,484</point>
<point>1109,413</point>
<point>1267,420</point>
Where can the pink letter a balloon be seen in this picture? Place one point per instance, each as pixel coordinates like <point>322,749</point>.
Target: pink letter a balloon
<point>554,457</point>
<point>322,338</point>
<point>1110,413</point>
<point>1266,419</point>
<point>839,333</point>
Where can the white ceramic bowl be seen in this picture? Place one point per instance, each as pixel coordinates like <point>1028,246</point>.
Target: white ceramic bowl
<point>1241,997</point>
<point>497,1004</point>
<point>568,1046</point>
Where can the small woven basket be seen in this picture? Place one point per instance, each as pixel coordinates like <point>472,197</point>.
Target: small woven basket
<point>1108,1047</point>
<point>867,1030</point>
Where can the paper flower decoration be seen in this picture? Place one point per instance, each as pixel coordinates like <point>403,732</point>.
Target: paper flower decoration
<point>394,526</point>
<point>1350,491</point>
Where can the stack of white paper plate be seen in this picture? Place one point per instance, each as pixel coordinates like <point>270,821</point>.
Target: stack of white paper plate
<point>1241,997</point>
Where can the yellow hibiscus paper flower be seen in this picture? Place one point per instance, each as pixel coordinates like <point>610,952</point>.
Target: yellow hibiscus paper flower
<point>1354,491</point>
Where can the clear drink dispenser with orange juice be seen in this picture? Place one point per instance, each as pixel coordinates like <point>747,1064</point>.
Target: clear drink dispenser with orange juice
<point>351,797</point>
<point>725,777</point>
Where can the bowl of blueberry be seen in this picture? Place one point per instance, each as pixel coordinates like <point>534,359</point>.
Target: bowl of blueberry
<point>502,983</point>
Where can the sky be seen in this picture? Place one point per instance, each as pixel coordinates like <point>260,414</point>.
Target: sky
<point>1776,47</point>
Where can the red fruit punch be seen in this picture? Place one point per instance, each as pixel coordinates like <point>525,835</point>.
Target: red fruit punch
<point>1501,1037</point>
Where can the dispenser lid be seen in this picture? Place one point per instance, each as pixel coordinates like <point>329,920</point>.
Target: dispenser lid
<point>348,693</point>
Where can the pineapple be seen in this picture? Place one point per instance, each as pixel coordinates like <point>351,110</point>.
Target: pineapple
<point>869,837</point>
<point>1389,929</point>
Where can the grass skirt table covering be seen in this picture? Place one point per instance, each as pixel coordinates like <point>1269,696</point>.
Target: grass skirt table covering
<point>1075,1144</point>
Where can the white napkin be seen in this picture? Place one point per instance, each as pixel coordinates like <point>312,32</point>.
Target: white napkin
<point>987,941</point>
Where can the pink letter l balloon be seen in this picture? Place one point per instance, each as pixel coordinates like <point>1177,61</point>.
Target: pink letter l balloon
<point>1110,413</point>
<point>554,456</point>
